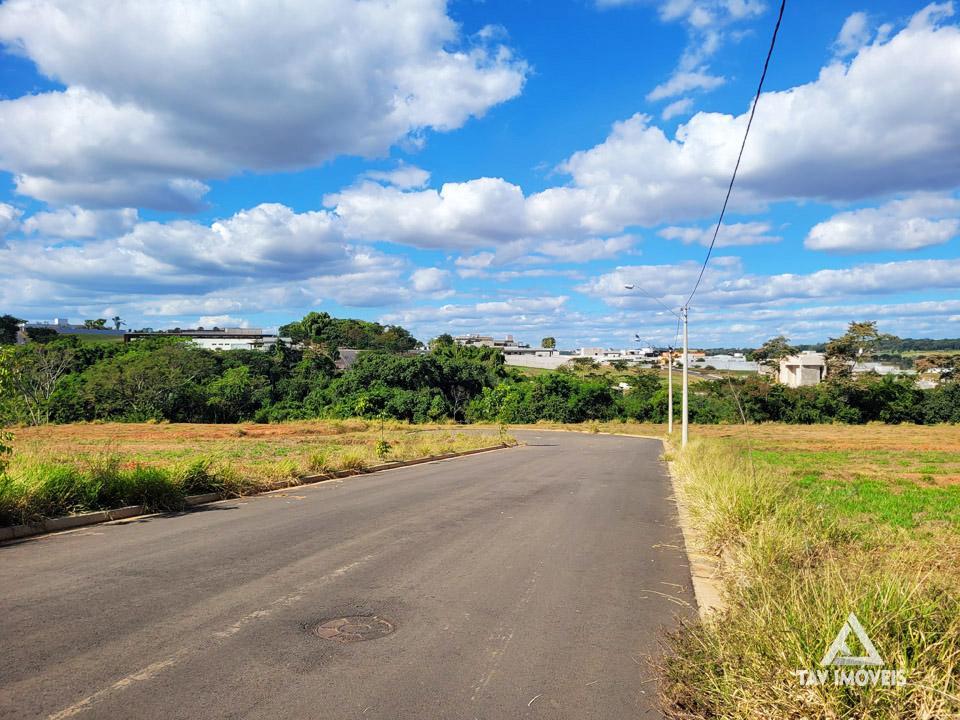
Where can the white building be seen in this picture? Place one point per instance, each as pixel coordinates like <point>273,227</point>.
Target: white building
<point>218,338</point>
<point>630,355</point>
<point>734,363</point>
<point>805,368</point>
<point>515,353</point>
<point>879,368</point>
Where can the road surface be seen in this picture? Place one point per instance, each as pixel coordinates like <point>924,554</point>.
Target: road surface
<point>532,582</point>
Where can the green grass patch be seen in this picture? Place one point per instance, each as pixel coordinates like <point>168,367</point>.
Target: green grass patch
<point>902,504</point>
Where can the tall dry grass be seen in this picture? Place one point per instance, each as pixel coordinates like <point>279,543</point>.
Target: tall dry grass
<point>789,579</point>
<point>39,484</point>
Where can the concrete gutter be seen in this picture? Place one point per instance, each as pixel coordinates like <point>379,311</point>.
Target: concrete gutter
<point>534,428</point>
<point>69,522</point>
<point>704,568</point>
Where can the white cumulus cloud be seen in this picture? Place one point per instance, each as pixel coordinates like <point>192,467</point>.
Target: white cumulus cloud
<point>430,280</point>
<point>162,96</point>
<point>751,233</point>
<point>78,222</point>
<point>9,218</point>
<point>854,34</point>
<point>906,224</point>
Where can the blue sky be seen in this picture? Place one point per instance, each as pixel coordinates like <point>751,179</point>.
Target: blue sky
<point>495,167</point>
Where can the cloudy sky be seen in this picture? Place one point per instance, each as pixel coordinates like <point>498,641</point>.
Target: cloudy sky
<point>498,166</point>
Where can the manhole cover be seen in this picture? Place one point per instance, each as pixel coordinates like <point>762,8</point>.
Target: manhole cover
<point>354,628</point>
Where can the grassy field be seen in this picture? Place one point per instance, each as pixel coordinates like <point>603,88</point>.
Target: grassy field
<point>810,523</point>
<point>62,469</point>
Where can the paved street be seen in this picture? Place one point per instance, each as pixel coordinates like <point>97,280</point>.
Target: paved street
<point>530,582</point>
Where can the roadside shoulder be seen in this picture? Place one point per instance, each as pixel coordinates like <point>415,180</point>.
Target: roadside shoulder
<point>704,568</point>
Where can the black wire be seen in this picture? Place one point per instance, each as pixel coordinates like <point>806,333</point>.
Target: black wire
<point>753,109</point>
<point>656,299</point>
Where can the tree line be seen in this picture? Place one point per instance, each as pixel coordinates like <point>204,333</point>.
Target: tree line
<point>65,379</point>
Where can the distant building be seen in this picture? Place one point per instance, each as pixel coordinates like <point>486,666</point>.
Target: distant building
<point>697,357</point>
<point>64,327</point>
<point>731,363</point>
<point>507,345</point>
<point>629,355</point>
<point>544,362</point>
<point>805,368</point>
<point>879,368</point>
<point>217,338</point>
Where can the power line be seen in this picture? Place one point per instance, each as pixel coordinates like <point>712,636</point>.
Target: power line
<point>753,109</point>
<point>652,297</point>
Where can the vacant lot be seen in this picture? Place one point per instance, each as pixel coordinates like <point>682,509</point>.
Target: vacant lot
<point>60,469</point>
<point>810,523</point>
<point>906,476</point>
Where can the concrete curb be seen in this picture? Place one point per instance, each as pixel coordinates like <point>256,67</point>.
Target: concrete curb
<point>531,428</point>
<point>704,569</point>
<point>69,522</point>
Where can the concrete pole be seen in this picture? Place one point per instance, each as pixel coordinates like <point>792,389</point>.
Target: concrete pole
<point>670,393</point>
<point>686,365</point>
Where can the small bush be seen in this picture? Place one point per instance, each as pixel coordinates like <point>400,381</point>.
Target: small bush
<point>318,462</point>
<point>285,470</point>
<point>352,460</point>
<point>197,477</point>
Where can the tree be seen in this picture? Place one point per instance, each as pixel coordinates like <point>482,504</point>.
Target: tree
<point>32,374</point>
<point>117,322</point>
<point>859,343</point>
<point>9,325</point>
<point>773,351</point>
<point>549,343</point>
<point>237,394</point>
<point>162,381</point>
<point>98,324</point>
<point>442,340</point>
<point>580,365</point>
<point>945,364</point>
<point>327,333</point>
<point>42,334</point>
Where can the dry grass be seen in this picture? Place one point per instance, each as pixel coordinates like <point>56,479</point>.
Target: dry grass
<point>252,450</point>
<point>60,469</point>
<point>807,532</point>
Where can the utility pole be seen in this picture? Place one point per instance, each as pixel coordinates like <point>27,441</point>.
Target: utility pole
<point>686,364</point>
<point>682,316</point>
<point>670,393</point>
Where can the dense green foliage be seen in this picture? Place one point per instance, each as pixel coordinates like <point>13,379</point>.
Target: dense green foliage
<point>8,329</point>
<point>68,379</point>
<point>329,333</point>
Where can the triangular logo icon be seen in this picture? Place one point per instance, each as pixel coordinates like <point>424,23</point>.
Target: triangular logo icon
<point>839,652</point>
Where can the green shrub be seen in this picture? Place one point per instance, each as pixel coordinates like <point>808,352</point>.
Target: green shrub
<point>352,460</point>
<point>318,462</point>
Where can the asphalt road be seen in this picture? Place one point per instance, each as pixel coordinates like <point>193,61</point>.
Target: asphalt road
<point>530,582</point>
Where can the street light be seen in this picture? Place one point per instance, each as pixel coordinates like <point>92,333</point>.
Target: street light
<point>686,362</point>
<point>669,386</point>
